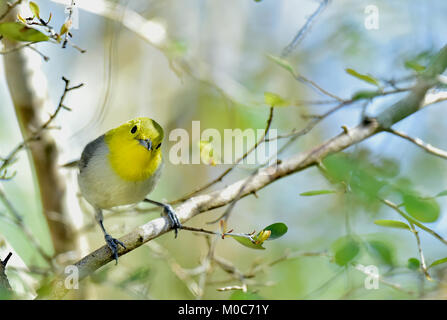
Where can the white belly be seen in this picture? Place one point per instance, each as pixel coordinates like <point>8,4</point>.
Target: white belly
<point>104,189</point>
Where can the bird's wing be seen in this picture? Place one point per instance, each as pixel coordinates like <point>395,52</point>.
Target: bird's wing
<point>89,151</point>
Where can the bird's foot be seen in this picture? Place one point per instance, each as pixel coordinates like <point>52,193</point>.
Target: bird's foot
<point>175,222</point>
<point>113,243</point>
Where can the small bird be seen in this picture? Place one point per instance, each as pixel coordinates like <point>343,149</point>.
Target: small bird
<point>120,168</point>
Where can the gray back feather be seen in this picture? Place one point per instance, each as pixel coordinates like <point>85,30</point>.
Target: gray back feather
<point>89,150</point>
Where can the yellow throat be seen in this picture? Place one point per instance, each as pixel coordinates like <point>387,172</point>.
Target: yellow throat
<point>128,158</point>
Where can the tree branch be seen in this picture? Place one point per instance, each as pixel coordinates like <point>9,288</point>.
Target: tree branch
<point>421,144</point>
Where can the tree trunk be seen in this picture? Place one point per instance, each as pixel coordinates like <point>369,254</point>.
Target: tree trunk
<point>28,90</point>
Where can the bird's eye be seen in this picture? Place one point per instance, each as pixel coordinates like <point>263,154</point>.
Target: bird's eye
<point>158,146</point>
<point>134,129</point>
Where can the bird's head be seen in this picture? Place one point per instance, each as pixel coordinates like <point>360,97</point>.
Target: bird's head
<point>134,148</point>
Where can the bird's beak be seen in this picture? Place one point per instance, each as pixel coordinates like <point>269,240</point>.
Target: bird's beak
<point>147,143</point>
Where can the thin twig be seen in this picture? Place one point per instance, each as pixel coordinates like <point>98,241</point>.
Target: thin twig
<point>36,135</point>
<point>228,267</point>
<point>318,118</point>
<point>5,262</point>
<point>17,48</point>
<point>415,222</point>
<point>301,33</point>
<point>313,84</point>
<point>222,235</point>
<point>229,209</point>
<point>226,172</point>
<point>44,57</point>
<point>298,133</point>
<point>421,144</point>
<point>421,253</point>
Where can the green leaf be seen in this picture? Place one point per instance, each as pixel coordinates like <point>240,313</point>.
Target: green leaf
<point>20,18</point>
<point>316,193</point>
<point>282,63</point>
<point>240,295</point>
<point>437,262</point>
<point>424,210</point>
<point>345,250</point>
<point>392,224</point>
<point>365,94</point>
<point>274,100</point>
<point>34,9</point>
<point>411,64</point>
<point>277,230</point>
<point>362,178</point>
<point>441,194</point>
<point>381,250</point>
<point>247,242</point>
<point>413,264</point>
<point>17,31</point>
<point>365,77</point>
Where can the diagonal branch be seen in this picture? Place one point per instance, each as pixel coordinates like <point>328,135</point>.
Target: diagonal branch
<point>425,146</point>
<point>226,172</point>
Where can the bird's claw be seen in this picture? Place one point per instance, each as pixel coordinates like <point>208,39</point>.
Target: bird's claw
<point>113,243</point>
<point>175,222</point>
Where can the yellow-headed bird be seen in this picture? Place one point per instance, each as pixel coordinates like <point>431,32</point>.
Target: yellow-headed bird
<point>121,167</point>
